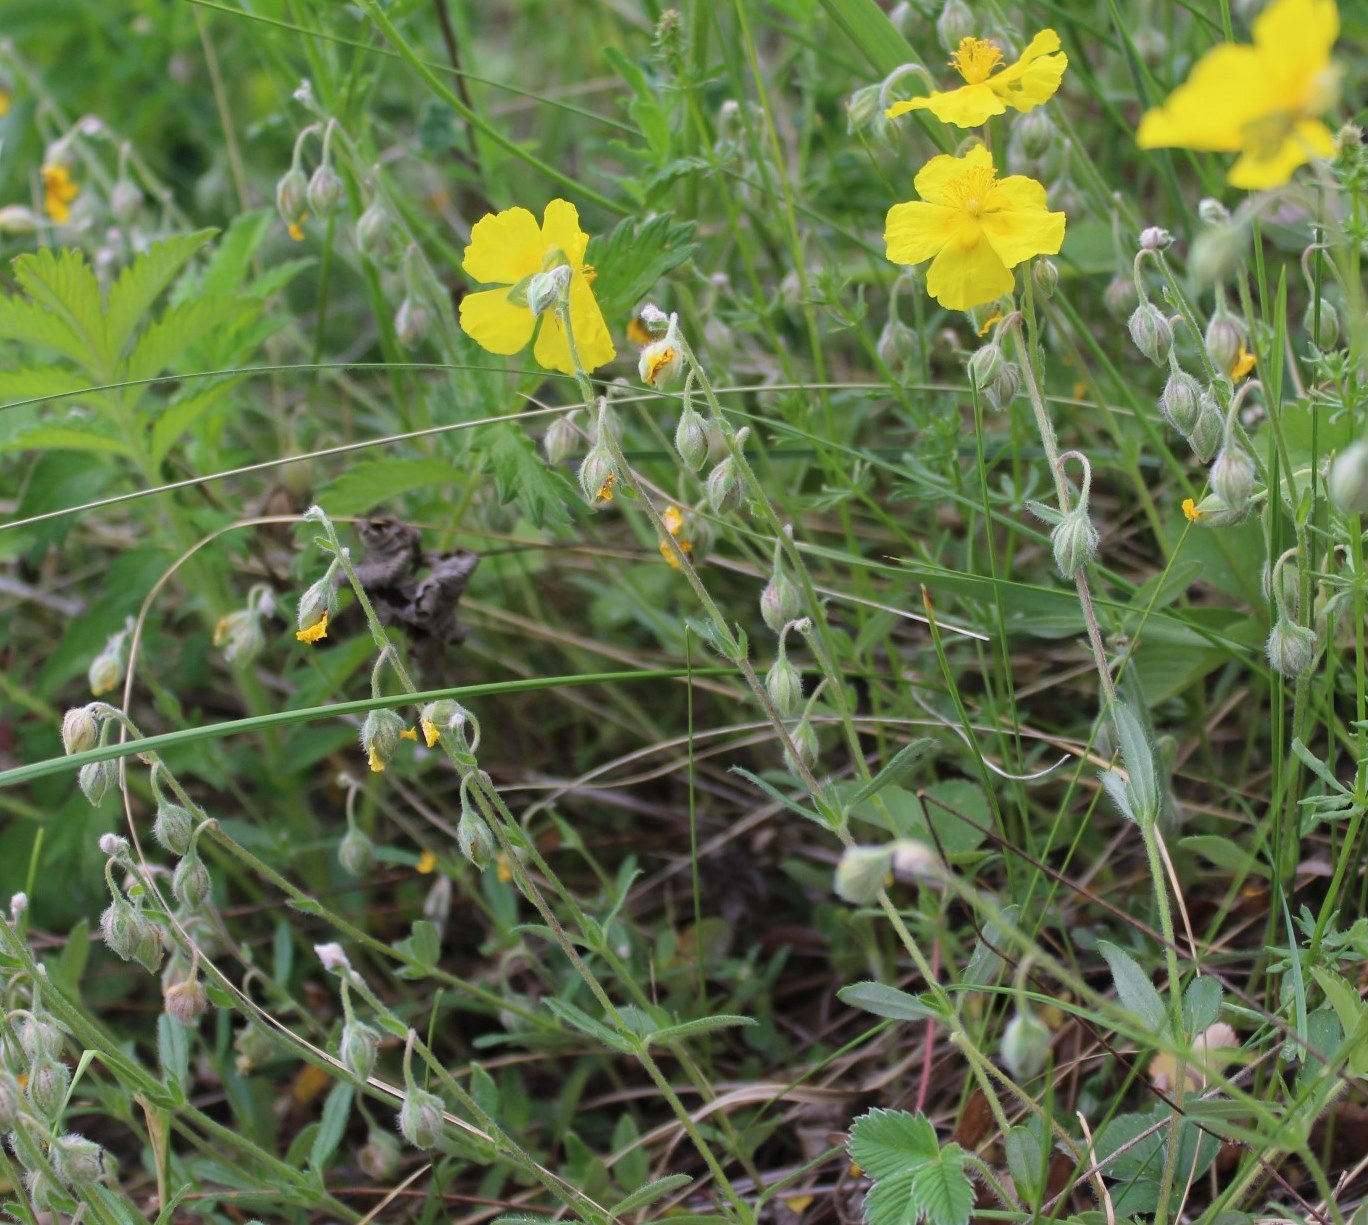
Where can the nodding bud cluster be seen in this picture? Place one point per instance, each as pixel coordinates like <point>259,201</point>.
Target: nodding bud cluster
<point>1348,483</point>
<point>1025,1045</point>
<point>380,734</point>
<point>359,1047</point>
<point>411,322</point>
<point>560,440</point>
<point>356,852</point>
<point>130,935</point>
<point>1151,331</point>
<point>1181,401</point>
<point>420,1117</point>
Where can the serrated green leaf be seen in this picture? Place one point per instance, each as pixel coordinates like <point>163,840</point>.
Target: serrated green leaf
<point>64,438</point>
<point>362,487</point>
<point>941,1191</point>
<point>1343,998</point>
<point>520,476</point>
<point>885,1001</point>
<point>650,1192</point>
<point>332,1124</point>
<point>40,383</point>
<point>633,258</point>
<point>142,283</point>
<point>1133,987</point>
<point>227,269</point>
<point>63,284</point>
<point>692,1029</point>
<point>164,343</point>
<point>181,415</point>
<point>884,1143</point>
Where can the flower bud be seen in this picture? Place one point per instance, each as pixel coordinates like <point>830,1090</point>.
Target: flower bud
<point>913,861</point>
<point>374,232</point>
<point>1212,211</point>
<point>355,853</point>
<point>48,1081</point>
<point>1207,434</point>
<point>380,737</point>
<point>39,1036</point>
<point>548,290</point>
<point>359,1047</point>
<point>420,1118</point>
<point>597,475</point>
<point>95,779</point>
<point>292,196</point>
<point>560,440</point>
<point>119,927</point>
<point>11,1100</point>
<point>150,947</point>
<point>1120,297</point>
<point>955,23</point>
<point>106,669</point>
<point>898,346</point>
<point>190,882</point>
<point>1327,337</point>
<point>1348,483</point>
<point>862,873</point>
<point>1025,1045</point>
<point>1216,253</point>
<point>1223,339</point>
<point>780,601</point>
<point>325,190</point>
<point>1034,133</point>
<point>18,904</point>
<point>805,745</point>
<point>76,1161</point>
<point>1232,476</point>
<point>1046,274</point>
<point>1151,332</point>
<point>1003,390</point>
<point>115,846</point>
<point>239,635</point>
<point>661,364</point>
<point>1074,541</point>
<point>411,323</point>
<point>16,219</point>
<point>474,838</point>
<point>723,487</point>
<point>173,827</point>
<point>333,957</point>
<point>691,438</point>
<point>80,730</point>
<point>185,1000</point>
<point>784,686</point>
<point>1288,595</point>
<point>863,108</point>
<point>1291,648</point>
<point>985,366</point>
<point>379,1156</point>
<point>1181,401</point>
<point>315,605</point>
<point>1155,238</point>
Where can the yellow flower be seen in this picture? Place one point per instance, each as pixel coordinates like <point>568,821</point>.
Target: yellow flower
<point>673,520</point>
<point>430,733</point>
<point>377,763</point>
<point>974,227</point>
<point>427,862</point>
<point>409,733</point>
<point>1261,100</point>
<point>59,190</point>
<point>312,633</point>
<point>1242,365</point>
<point>508,249</point>
<point>1190,511</point>
<point>1023,86</point>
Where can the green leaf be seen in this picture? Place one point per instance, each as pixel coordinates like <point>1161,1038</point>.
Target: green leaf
<point>1138,760</point>
<point>914,1178</point>
<point>884,1143</point>
<point>1133,987</point>
<point>885,1001</point>
<point>164,343</point>
<point>65,438</point>
<point>691,1029</point>
<point>364,486</point>
<point>66,971</point>
<point>173,1049</point>
<point>522,477</point>
<point>586,1024</point>
<point>1201,1004</point>
<point>874,36</point>
<point>181,415</point>
<point>142,282</point>
<point>986,960</point>
<point>634,257</point>
<point>650,1192</point>
<point>1343,998</point>
<point>1026,1160</point>
<point>332,1124</point>
<point>941,1191</point>
<point>898,768</point>
<point>228,267</point>
<point>63,284</point>
<point>1225,853</point>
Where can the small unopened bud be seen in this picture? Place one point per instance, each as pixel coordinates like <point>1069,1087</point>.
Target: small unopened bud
<point>1120,297</point>
<point>560,440</point>
<point>380,737</point>
<point>190,882</point>
<point>420,1118</point>
<point>325,190</point>
<point>1288,594</point>
<point>292,196</point>
<point>119,928</point>
<point>332,956</point>
<point>1151,332</point>
<point>359,1047</point>
<point>106,670</point>
<point>356,852</point>
<point>411,323</point>
<point>780,601</point>
<point>913,861</point>
<point>186,1000</point>
<point>597,476</point>
<point>239,635</point>
<point>173,827</point>
<point>1216,253</point>
<point>1291,648</point>
<point>1025,1046</point>
<point>1326,336</point>
<point>1348,483</point>
<point>862,873</point>
<point>1223,339</point>
<point>39,1036</point>
<point>863,108</point>
<point>1232,476</point>
<point>1074,541</point>
<point>691,438</point>
<point>785,687</point>
<point>76,1161</point>
<point>805,745</point>
<point>1046,274</point>
<point>115,846</point>
<point>898,345</point>
<point>724,487</point>
<point>1003,390</point>
<point>374,232</point>
<point>80,730</point>
<point>1034,133</point>
<point>985,366</point>
<point>955,23</point>
<point>1206,435</point>
<point>1181,401</point>
<point>149,947</point>
<point>16,219</point>
<point>11,1100</point>
<point>1212,211</point>
<point>95,779</point>
<point>547,290</point>
<point>48,1081</point>
<point>1155,238</point>
<point>18,904</point>
<point>125,202</point>
<point>474,838</point>
<point>379,1156</point>
<point>661,363</point>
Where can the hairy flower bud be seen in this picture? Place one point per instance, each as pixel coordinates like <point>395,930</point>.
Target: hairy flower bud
<point>125,202</point>
<point>785,687</point>
<point>11,1100</point>
<point>1206,435</point>
<point>76,1161</point>
<point>1348,483</point>
<point>1223,339</point>
<point>150,946</point>
<point>173,826</point>
<point>1181,401</point>
<point>106,670</point>
<point>548,290</point>
<point>420,1118</point>
<point>1155,238</point>
<point>40,1036</point>
<point>805,745</point>
<point>862,873</point>
<point>48,1081</point>
<point>1151,332</point>
<point>239,634</point>
<point>985,365</point>
<point>474,838</point>
<point>185,1000</point>
<point>1291,648</point>
<point>359,1047</point>
<point>325,190</point>
<point>190,882</point>
<point>1025,1045</point>
<point>898,346</point>
<point>411,323</point>
<point>119,927</point>
<point>1326,336</point>
<point>661,363</point>
<point>1003,390</point>
<point>560,440</point>
<point>1232,476</point>
<point>691,438</point>
<point>955,23</point>
<point>913,861</point>
<point>780,601</point>
<point>375,232</point>
<point>292,196</point>
<point>380,737</point>
<point>80,729</point>
<point>95,778</point>
<point>597,475</point>
<point>1074,541</point>
<point>1034,132</point>
<point>1045,272</point>
<point>355,852</point>
<point>315,606</point>
<point>723,487</point>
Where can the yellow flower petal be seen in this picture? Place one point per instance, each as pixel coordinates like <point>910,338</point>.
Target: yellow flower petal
<point>591,333</point>
<point>495,323</point>
<point>377,766</point>
<point>1258,168</point>
<point>312,633</point>
<point>939,180</point>
<point>560,231</point>
<point>1244,362</point>
<point>673,519</point>
<point>1190,511</point>
<point>987,325</point>
<point>916,231</point>
<point>430,733</point>
<point>296,231</point>
<point>1019,234</point>
<point>409,733</point>
<point>1297,30</point>
<point>1209,110</point>
<point>504,248</point>
<point>962,276</point>
<point>965,107</point>
<point>1035,77</point>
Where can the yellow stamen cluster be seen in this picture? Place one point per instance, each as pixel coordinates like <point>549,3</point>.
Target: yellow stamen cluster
<point>976,59</point>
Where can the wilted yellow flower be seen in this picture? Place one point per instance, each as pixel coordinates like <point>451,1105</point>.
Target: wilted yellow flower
<point>296,228</point>
<point>1023,86</point>
<point>974,227</point>
<point>605,491</point>
<point>377,763</point>
<point>508,249</point>
<point>427,863</point>
<point>1190,511</point>
<point>1263,100</point>
<point>312,633</point>
<point>59,190</point>
<point>673,520</point>
<point>1244,362</point>
<point>430,733</point>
